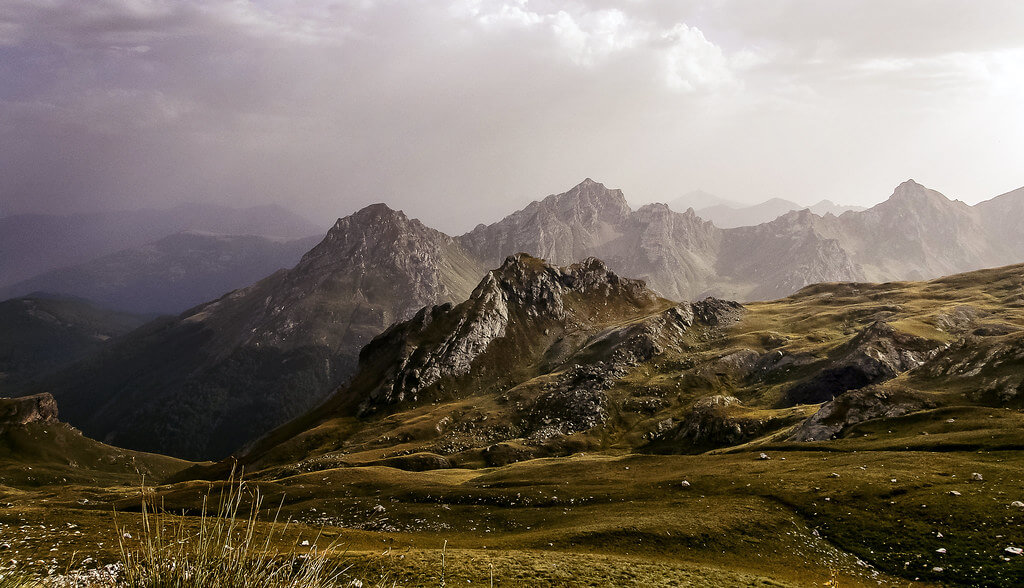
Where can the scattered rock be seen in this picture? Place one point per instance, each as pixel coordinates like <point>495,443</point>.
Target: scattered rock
<point>685,484</point>
<point>954,493</point>
<point>1017,504</point>
<point>763,456</point>
<point>976,477</point>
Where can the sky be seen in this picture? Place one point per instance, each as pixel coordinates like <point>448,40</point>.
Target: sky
<point>462,111</point>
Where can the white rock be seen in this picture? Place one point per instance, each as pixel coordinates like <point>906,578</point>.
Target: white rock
<point>940,550</point>
<point>1017,504</point>
<point>1014,550</point>
<point>685,484</point>
<point>954,493</point>
<point>976,477</point>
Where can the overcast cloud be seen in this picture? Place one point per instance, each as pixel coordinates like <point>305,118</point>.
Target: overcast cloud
<point>460,112</point>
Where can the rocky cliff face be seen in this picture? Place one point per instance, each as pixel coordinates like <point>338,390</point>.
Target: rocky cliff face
<point>916,234</point>
<point>783,256</point>
<point>669,250</point>
<point>511,314</point>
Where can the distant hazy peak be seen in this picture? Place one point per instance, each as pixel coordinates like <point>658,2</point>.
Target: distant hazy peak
<point>910,192</point>
<point>589,195</point>
<point>373,213</point>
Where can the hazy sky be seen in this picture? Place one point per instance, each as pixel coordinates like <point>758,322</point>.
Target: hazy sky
<point>461,111</point>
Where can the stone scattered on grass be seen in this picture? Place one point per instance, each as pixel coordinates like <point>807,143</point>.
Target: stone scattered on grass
<point>1014,550</point>
<point>1017,504</point>
<point>685,484</point>
<point>954,493</point>
<point>976,477</point>
<point>763,456</point>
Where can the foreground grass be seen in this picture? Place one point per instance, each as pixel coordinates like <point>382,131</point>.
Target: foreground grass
<point>228,549</point>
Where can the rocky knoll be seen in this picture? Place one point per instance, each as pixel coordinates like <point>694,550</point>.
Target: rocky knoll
<point>38,408</point>
<point>507,319</point>
<point>854,407</point>
<point>877,353</point>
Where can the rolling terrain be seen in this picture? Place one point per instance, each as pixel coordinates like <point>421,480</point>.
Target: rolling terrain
<point>565,426</point>
<point>275,349</point>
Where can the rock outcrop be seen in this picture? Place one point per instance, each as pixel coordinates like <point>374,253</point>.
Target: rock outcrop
<point>858,406</point>
<point>17,412</point>
<point>878,353</point>
<point>521,304</point>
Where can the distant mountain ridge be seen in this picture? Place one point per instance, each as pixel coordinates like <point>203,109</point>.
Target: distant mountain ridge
<point>171,274</point>
<point>727,214</point>
<point>227,371</point>
<point>31,244</point>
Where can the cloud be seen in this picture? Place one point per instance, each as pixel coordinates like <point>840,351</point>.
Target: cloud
<point>462,111</point>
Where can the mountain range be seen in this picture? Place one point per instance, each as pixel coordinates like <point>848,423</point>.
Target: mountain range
<point>171,274</point>
<point>729,215</point>
<point>225,372</point>
<point>31,244</point>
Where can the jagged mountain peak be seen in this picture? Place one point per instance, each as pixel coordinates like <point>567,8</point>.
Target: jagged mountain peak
<point>532,283</point>
<point>370,215</point>
<point>591,196</point>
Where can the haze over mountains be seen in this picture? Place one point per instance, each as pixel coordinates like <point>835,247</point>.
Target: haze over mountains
<point>31,244</point>
<point>202,384</point>
<point>169,275</point>
<point>730,215</point>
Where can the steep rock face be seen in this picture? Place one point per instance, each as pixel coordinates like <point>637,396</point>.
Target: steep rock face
<point>38,408</point>
<point>673,252</point>
<point>858,406</point>
<point>669,250</point>
<point>916,234</point>
<point>523,300</point>
<point>204,383</point>
<point>989,367</point>
<point>563,228</point>
<point>878,353</point>
<point>783,256</point>
<point>1001,218</point>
